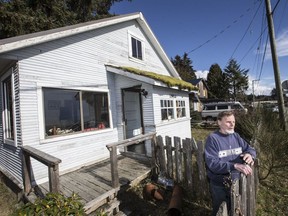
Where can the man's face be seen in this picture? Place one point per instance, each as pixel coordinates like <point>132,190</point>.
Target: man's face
<point>227,124</point>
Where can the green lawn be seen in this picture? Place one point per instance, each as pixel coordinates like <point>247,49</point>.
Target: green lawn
<point>8,201</point>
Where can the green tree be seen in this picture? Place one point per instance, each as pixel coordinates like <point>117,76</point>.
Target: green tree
<point>18,17</point>
<point>216,83</point>
<point>184,67</point>
<point>237,79</point>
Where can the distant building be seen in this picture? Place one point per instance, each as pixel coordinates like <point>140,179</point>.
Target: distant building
<point>196,98</point>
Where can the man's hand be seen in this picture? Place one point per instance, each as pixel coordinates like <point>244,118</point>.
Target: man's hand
<point>244,168</point>
<point>247,159</point>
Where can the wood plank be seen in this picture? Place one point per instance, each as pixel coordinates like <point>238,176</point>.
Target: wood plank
<point>187,150</point>
<point>161,155</point>
<point>89,182</point>
<point>43,157</point>
<point>79,188</point>
<point>178,159</point>
<point>169,157</point>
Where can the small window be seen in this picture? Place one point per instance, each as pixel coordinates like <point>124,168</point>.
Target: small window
<point>8,109</point>
<point>71,111</point>
<point>236,106</point>
<point>136,48</point>
<point>222,107</point>
<point>167,110</point>
<point>180,108</point>
<point>209,108</point>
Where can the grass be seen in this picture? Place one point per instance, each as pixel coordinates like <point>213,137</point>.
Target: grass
<point>8,201</point>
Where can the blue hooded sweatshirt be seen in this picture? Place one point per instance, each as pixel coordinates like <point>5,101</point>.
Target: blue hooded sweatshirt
<point>222,151</point>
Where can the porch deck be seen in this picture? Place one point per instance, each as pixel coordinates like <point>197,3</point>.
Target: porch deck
<point>93,183</point>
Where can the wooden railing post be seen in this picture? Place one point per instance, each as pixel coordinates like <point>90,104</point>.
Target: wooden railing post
<point>114,166</point>
<point>54,184</point>
<point>26,172</point>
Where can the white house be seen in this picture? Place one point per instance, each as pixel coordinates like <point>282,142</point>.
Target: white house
<point>72,90</point>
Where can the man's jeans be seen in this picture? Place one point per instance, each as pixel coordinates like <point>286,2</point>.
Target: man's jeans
<point>219,194</point>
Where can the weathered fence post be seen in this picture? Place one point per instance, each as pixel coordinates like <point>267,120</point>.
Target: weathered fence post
<point>202,169</point>
<point>161,155</point>
<point>187,150</point>
<point>178,159</point>
<point>169,156</point>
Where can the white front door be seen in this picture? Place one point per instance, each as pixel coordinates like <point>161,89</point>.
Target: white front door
<point>133,117</point>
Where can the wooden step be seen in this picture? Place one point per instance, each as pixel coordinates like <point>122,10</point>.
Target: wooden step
<point>101,200</point>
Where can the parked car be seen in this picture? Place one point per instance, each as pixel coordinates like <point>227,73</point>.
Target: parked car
<point>211,110</point>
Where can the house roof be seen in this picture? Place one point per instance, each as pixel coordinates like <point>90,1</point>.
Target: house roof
<point>197,81</point>
<point>152,78</point>
<point>22,41</point>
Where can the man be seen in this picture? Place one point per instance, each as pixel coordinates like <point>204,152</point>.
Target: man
<point>226,156</point>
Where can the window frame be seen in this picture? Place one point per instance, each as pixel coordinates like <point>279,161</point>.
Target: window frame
<point>45,138</point>
<point>5,115</point>
<point>175,107</point>
<point>179,105</point>
<point>138,39</point>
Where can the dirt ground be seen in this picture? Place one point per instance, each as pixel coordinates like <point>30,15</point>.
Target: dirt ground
<point>134,202</point>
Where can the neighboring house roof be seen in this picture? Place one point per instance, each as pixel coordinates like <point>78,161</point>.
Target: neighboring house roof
<point>197,81</point>
<point>22,41</point>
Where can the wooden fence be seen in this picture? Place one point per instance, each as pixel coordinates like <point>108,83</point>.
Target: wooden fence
<point>178,162</point>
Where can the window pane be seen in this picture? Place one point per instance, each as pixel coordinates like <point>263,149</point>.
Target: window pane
<point>134,47</point>
<point>95,110</point>
<point>62,111</point>
<point>221,107</point>
<point>8,109</point>
<point>139,47</point>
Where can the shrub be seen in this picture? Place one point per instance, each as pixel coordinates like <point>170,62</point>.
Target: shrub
<point>53,204</point>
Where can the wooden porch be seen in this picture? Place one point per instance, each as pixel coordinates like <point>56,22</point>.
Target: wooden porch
<point>97,184</point>
<point>93,183</point>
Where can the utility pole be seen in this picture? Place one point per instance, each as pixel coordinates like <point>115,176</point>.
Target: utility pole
<point>253,91</point>
<point>275,66</point>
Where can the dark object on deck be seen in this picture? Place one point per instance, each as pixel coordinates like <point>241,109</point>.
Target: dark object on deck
<point>150,191</point>
<point>175,202</point>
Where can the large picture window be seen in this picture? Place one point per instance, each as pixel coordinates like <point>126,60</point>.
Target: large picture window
<point>71,111</point>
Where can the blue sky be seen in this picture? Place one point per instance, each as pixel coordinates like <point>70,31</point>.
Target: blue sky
<point>213,31</point>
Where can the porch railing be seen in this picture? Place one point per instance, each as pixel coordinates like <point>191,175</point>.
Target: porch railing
<point>124,143</point>
<point>50,161</point>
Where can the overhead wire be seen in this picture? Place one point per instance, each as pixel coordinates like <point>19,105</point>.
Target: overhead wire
<point>247,29</point>
<point>219,33</point>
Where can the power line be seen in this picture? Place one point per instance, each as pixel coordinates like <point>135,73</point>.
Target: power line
<point>221,32</point>
<point>246,30</point>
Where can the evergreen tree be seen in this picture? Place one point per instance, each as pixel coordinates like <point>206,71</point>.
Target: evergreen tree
<point>216,83</point>
<point>184,67</point>
<point>18,17</point>
<point>237,79</point>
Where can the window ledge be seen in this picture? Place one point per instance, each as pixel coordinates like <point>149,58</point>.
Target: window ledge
<point>173,121</point>
<point>56,138</point>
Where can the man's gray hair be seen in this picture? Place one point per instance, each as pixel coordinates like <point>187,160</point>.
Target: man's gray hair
<point>224,113</point>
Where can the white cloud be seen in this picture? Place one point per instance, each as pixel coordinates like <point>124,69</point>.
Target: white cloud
<point>281,45</point>
<point>262,87</point>
<point>202,74</point>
